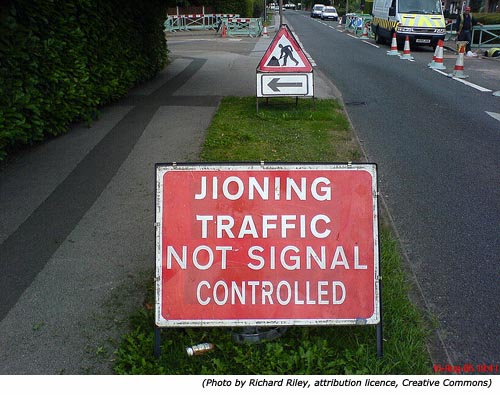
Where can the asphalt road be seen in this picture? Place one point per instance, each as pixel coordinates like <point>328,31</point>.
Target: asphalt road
<point>437,150</point>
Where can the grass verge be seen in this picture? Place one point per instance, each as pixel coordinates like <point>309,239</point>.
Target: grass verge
<point>282,132</point>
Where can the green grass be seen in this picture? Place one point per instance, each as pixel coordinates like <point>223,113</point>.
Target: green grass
<point>282,132</point>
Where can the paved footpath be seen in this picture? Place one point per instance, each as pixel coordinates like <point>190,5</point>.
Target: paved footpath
<point>77,236</point>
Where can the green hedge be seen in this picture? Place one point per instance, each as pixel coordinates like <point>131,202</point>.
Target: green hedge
<point>60,60</point>
<point>244,8</point>
<point>487,18</point>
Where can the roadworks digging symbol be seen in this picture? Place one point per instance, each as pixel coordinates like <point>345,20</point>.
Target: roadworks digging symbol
<point>284,55</point>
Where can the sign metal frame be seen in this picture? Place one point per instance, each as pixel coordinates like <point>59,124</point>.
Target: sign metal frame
<point>377,320</point>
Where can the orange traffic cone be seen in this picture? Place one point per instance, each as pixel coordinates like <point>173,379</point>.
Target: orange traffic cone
<point>406,52</point>
<point>458,71</point>
<point>437,62</point>
<point>394,46</point>
<point>224,32</point>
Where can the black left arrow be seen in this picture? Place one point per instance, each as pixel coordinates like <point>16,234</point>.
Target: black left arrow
<point>274,84</point>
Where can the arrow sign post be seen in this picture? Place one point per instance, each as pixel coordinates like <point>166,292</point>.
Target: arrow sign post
<point>284,70</point>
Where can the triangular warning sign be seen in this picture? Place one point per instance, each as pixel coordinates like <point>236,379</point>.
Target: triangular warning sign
<point>284,55</point>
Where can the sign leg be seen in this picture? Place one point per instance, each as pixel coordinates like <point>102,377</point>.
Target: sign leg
<point>380,341</point>
<point>157,342</point>
<point>380,327</point>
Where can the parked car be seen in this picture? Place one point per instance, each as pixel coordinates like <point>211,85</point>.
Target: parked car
<point>329,13</point>
<point>317,10</point>
<point>274,6</point>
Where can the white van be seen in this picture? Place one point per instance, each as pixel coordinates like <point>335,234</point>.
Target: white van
<point>421,20</point>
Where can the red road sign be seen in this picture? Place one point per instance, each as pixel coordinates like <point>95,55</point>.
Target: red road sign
<point>285,55</point>
<point>266,244</point>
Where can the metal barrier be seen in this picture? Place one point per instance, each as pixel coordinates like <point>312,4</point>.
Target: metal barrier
<point>486,36</point>
<point>251,27</point>
<point>194,21</point>
<point>489,36</point>
<point>355,23</point>
<point>350,21</point>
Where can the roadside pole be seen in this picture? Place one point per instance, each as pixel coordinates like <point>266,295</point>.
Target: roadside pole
<point>281,12</point>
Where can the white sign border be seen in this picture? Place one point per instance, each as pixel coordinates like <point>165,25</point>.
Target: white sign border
<point>309,88</point>
<point>161,169</point>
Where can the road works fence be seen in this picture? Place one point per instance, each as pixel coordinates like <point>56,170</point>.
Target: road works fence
<point>355,23</point>
<point>486,36</point>
<point>188,22</point>
<point>233,24</point>
<point>251,27</point>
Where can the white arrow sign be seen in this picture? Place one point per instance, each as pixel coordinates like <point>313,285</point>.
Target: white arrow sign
<point>284,84</point>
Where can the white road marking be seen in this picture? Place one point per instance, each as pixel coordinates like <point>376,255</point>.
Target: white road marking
<point>478,87</point>
<point>369,43</point>
<point>494,115</point>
